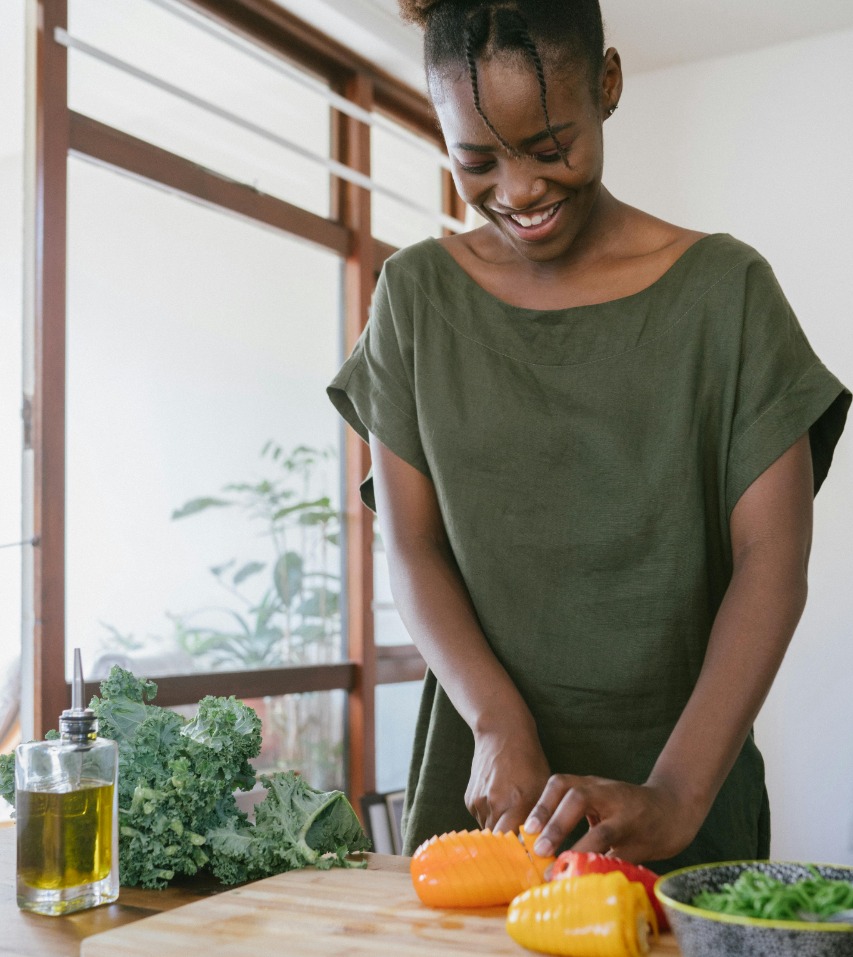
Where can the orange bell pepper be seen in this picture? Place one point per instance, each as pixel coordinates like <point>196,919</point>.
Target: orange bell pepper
<point>476,868</point>
<point>597,915</point>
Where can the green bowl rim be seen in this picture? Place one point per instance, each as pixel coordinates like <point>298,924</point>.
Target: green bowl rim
<point>691,911</point>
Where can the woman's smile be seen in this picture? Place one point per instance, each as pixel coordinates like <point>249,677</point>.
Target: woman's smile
<point>533,225</point>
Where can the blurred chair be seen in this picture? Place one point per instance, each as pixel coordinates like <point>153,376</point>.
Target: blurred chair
<point>383,815</point>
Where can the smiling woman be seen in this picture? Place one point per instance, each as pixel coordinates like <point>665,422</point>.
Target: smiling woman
<point>583,421</point>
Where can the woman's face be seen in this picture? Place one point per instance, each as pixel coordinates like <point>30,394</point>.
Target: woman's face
<point>538,202</point>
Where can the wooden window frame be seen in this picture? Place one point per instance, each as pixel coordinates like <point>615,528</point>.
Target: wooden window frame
<point>60,132</point>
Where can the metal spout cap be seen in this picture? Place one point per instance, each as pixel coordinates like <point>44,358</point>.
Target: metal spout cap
<point>78,724</point>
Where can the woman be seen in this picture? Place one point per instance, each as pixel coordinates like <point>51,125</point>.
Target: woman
<point>595,438</point>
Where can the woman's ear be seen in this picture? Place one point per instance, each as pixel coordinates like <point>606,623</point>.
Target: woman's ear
<point>611,81</point>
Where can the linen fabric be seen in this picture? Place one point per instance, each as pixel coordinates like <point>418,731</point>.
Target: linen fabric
<point>586,462</point>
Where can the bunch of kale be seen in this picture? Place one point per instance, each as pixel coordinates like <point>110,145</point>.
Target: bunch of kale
<point>177,809</point>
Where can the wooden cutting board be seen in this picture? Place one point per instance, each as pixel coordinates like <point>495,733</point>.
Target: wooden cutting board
<point>311,913</point>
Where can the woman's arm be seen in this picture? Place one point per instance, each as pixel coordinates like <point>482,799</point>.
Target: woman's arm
<point>509,769</point>
<point>771,528</point>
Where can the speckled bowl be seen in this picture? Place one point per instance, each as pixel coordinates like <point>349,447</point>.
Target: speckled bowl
<point>704,933</point>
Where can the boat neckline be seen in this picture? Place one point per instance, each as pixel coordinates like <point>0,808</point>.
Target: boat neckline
<point>664,276</point>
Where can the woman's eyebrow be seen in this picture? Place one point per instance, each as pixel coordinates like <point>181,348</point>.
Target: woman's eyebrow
<point>546,134</point>
<point>529,141</point>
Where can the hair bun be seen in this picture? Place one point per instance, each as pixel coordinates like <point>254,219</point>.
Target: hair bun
<point>419,11</point>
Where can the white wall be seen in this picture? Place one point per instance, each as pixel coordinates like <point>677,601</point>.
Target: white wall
<point>760,145</point>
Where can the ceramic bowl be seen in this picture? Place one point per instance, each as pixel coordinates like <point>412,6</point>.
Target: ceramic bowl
<point>705,933</point>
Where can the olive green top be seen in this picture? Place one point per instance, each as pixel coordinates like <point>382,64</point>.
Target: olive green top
<point>586,462</point>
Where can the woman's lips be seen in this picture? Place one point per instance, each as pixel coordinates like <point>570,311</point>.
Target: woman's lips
<point>533,226</point>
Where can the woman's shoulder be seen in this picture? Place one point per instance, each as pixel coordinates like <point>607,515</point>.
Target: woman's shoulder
<point>662,244</point>
<point>726,251</point>
<point>416,258</point>
<point>422,272</point>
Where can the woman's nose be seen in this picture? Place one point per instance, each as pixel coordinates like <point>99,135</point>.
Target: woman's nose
<point>519,185</point>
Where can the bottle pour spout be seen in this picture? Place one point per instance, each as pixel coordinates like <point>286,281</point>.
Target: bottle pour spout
<point>78,723</point>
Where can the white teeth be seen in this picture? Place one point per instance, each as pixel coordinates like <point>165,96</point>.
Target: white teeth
<point>538,219</point>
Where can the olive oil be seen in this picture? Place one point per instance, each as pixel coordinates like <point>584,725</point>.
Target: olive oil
<point>65,837</point>
<point>67,814</point>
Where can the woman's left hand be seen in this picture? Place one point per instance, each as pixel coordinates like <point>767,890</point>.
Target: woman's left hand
<point>635,822</point>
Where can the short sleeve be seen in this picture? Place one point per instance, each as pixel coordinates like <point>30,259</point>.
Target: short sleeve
<point>783,390</point>
<point>375,388</point>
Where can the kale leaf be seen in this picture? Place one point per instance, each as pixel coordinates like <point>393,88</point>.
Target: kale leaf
<point>7,777</point>
<point>295,826</point>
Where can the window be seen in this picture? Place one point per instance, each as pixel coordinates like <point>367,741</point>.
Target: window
<point>409,166</point>
<point>204,253</point>
<point>11,379</point>
<point>202,468</point>
<point>184,83</point>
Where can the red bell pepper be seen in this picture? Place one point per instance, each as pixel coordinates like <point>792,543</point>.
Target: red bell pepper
<point>577,863</point>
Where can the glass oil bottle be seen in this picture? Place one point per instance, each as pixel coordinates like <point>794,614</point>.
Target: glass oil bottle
<point>67,814</point>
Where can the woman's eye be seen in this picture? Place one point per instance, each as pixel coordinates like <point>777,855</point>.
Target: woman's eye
<point>475,167</point>
<point>550,156</point>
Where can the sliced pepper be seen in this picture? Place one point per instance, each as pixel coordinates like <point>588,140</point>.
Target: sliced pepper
<point>578,863</point>
<point>598,915</point>
<point>476,868</point>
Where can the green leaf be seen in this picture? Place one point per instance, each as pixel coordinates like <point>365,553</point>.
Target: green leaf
<point>199,505</point>
<point>7,777</point>
<point>128,642</point>
<point>219,569</point>
<point>249,569</point>
<point>319,603</point>
<point>287,576</point>
<point>300,507</point>
<point>266,610</point>
<point>310,632</point>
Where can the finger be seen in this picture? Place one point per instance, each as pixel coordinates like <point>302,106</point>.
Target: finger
<point>510,820</point>
<point>504,816</point>
<point>573,806</point>
<point>478,809</point>
<point>600,839</point>
<point>554,792</point>
<point>614,837</point>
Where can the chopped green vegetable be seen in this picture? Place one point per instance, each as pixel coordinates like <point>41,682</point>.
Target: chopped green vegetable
<point>755,894</point>
<point>177,810</point>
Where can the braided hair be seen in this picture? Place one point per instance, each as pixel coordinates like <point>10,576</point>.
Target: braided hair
<point>460,32</point>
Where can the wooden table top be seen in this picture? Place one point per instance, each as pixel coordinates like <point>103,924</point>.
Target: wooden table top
<point>337,913</point>
<point>24,934</point>
<point>33,935</point>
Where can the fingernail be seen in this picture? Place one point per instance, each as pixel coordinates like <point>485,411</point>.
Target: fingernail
<point>543,847</point>
<point>532,825</point>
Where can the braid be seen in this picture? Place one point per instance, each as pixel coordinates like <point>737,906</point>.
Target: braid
<point>567,32</point>
<point>471,60</point>
<point>533,52</point>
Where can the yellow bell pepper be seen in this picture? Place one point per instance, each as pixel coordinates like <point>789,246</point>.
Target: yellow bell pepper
<point>596,915</point>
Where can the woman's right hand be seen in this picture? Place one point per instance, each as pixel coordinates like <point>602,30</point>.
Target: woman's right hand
<point>509,769</point>
<point>508,774</point>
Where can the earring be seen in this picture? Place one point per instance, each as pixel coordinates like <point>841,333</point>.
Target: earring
<point>613,109</point>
